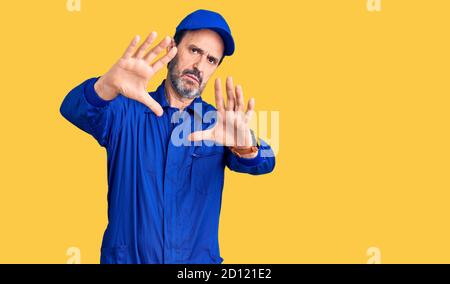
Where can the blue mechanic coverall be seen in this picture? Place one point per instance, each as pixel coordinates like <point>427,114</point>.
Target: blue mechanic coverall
<point>164,200</point>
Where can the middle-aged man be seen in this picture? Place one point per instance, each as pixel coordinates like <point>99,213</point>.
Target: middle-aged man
<point>165,188</point>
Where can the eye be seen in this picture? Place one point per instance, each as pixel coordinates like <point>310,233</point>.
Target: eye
<point>195,50</point>
<point>212,61</point>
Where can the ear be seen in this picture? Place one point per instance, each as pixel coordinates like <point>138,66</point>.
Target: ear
<point>172,44</point>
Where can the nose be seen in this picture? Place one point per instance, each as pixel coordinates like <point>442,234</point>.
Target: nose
<point>200,64</point>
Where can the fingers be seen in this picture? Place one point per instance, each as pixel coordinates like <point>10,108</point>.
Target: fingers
<point>234,102</point>
<point>220,105</point>
<point>154,52</point>
<point>129,52</point>
<point>147,100</point>
<point>201,135</point>
<point>165,59</point>
<point>148,41</point>
<point>250,110</point>
<point>230,94</point>
<point>239,99</point>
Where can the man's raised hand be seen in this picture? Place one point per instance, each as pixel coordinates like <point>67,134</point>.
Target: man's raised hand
<point>233,122</point>
<point>131,74</point>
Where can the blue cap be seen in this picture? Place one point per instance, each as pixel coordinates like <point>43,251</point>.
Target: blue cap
<point>204,19</point>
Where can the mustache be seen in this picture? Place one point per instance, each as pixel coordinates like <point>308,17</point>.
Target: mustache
<point>195,73</point>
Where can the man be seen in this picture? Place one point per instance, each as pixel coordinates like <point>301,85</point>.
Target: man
<point>165,190</point>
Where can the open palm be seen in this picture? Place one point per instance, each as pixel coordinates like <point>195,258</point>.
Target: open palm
<point>132,72</point>
<point>232,127</point>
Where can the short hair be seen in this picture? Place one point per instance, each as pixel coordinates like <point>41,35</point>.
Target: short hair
<point>179,36</point>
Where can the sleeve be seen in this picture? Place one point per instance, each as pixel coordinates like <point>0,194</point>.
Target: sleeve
<point>263,163</point>
<point>89,112</point>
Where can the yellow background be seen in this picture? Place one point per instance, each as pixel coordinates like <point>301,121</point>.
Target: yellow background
<point>364,141</point>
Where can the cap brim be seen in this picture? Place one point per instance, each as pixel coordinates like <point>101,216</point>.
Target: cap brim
<point>227,40</point>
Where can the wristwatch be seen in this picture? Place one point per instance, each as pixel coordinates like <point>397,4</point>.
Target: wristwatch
<point>239,151</point>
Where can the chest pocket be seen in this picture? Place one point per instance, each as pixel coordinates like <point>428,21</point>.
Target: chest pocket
<point>207,168</point>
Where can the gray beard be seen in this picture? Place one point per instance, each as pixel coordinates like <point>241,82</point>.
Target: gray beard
<point>177,83</point>
<point>187,93</point>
